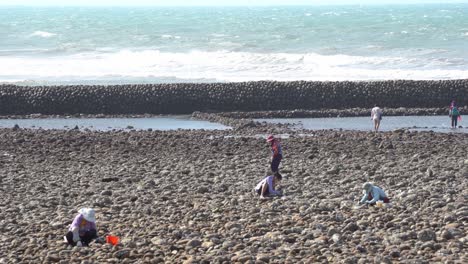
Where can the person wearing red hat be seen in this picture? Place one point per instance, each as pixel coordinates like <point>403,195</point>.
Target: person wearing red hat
<point>277,153</point>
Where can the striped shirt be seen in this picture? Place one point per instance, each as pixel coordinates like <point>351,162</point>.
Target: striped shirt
<point>276,148</point>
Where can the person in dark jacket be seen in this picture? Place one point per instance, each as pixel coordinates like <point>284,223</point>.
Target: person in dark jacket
<point>277,153</point>
<point>454,114</point>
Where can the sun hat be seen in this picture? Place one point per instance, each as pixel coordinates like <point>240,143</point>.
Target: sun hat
<point>88,214</point>
<point>270,138</point>
<point>367,186</point>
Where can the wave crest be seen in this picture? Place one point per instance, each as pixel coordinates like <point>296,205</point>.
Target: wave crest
<point>227,66</point>
<point>42,34</point>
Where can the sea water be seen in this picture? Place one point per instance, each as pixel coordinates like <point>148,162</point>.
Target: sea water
<point>415,123</point>
<point>106,124</point>
<point>104,45</point>
<point>388,123</point>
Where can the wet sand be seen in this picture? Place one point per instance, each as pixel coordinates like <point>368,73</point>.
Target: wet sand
<point>184,196</point>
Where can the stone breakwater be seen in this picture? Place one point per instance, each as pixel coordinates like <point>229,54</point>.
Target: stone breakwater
<point>219,97</point>
<point>353,112</point>
<point>184,197</point>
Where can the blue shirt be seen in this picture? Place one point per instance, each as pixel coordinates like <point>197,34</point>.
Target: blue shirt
<point>377,195</point>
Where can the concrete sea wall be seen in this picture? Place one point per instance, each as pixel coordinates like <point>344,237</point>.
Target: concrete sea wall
<point>224,97</point>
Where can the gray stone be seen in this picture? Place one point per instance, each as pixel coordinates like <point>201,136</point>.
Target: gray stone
<point>194,243</point>
<point>352,227</point>
<point>124,253</point>
<point>427,235</point>
<point>106,193</point>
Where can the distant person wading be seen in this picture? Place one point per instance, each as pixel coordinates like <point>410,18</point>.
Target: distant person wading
<point>454,114</point>
<point>376,116</point>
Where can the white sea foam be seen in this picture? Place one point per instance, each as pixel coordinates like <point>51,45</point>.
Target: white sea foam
<point>219,35</point>
<point>43,34</point>
<point>224,66</point>
<point>330,14</point>
<point>166,36</point>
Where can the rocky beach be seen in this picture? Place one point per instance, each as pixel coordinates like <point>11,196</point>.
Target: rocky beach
<point>185,196</point>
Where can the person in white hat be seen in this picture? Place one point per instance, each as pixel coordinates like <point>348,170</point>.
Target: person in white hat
<point>83,228</point>
<point>372,194</point>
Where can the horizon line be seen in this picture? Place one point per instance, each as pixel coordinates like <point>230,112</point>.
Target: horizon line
<point>233,5</point>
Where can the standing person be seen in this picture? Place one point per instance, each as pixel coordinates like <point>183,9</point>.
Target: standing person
<point>452,104</point>
<point>267,187</point>
<point>83,228</point>
<point>376,116</point>
<point>277,153</point>
<point>454,114</point>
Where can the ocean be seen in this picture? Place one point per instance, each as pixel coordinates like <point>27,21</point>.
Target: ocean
<point>99,45</point>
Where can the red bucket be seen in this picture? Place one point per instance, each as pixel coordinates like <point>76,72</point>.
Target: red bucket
<point>114,240</point>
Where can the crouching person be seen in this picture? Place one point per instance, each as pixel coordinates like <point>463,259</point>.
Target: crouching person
<point>267,187</point>
<point>373,194</point>
<point>83,228</point>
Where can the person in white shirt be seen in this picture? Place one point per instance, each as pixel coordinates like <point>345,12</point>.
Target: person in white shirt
<point>267,186</point>
<point>376,116</point>
<point>372,194</point>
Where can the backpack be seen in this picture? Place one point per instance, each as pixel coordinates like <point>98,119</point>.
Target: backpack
<point>455,111</point>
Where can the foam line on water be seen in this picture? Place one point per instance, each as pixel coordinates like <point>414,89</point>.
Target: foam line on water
<point>225,66</point>
<point>43,34</point>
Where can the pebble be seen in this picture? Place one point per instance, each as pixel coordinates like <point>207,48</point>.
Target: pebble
<point>426,235</point>
<point>194,243</point>
<point>351,227</point>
